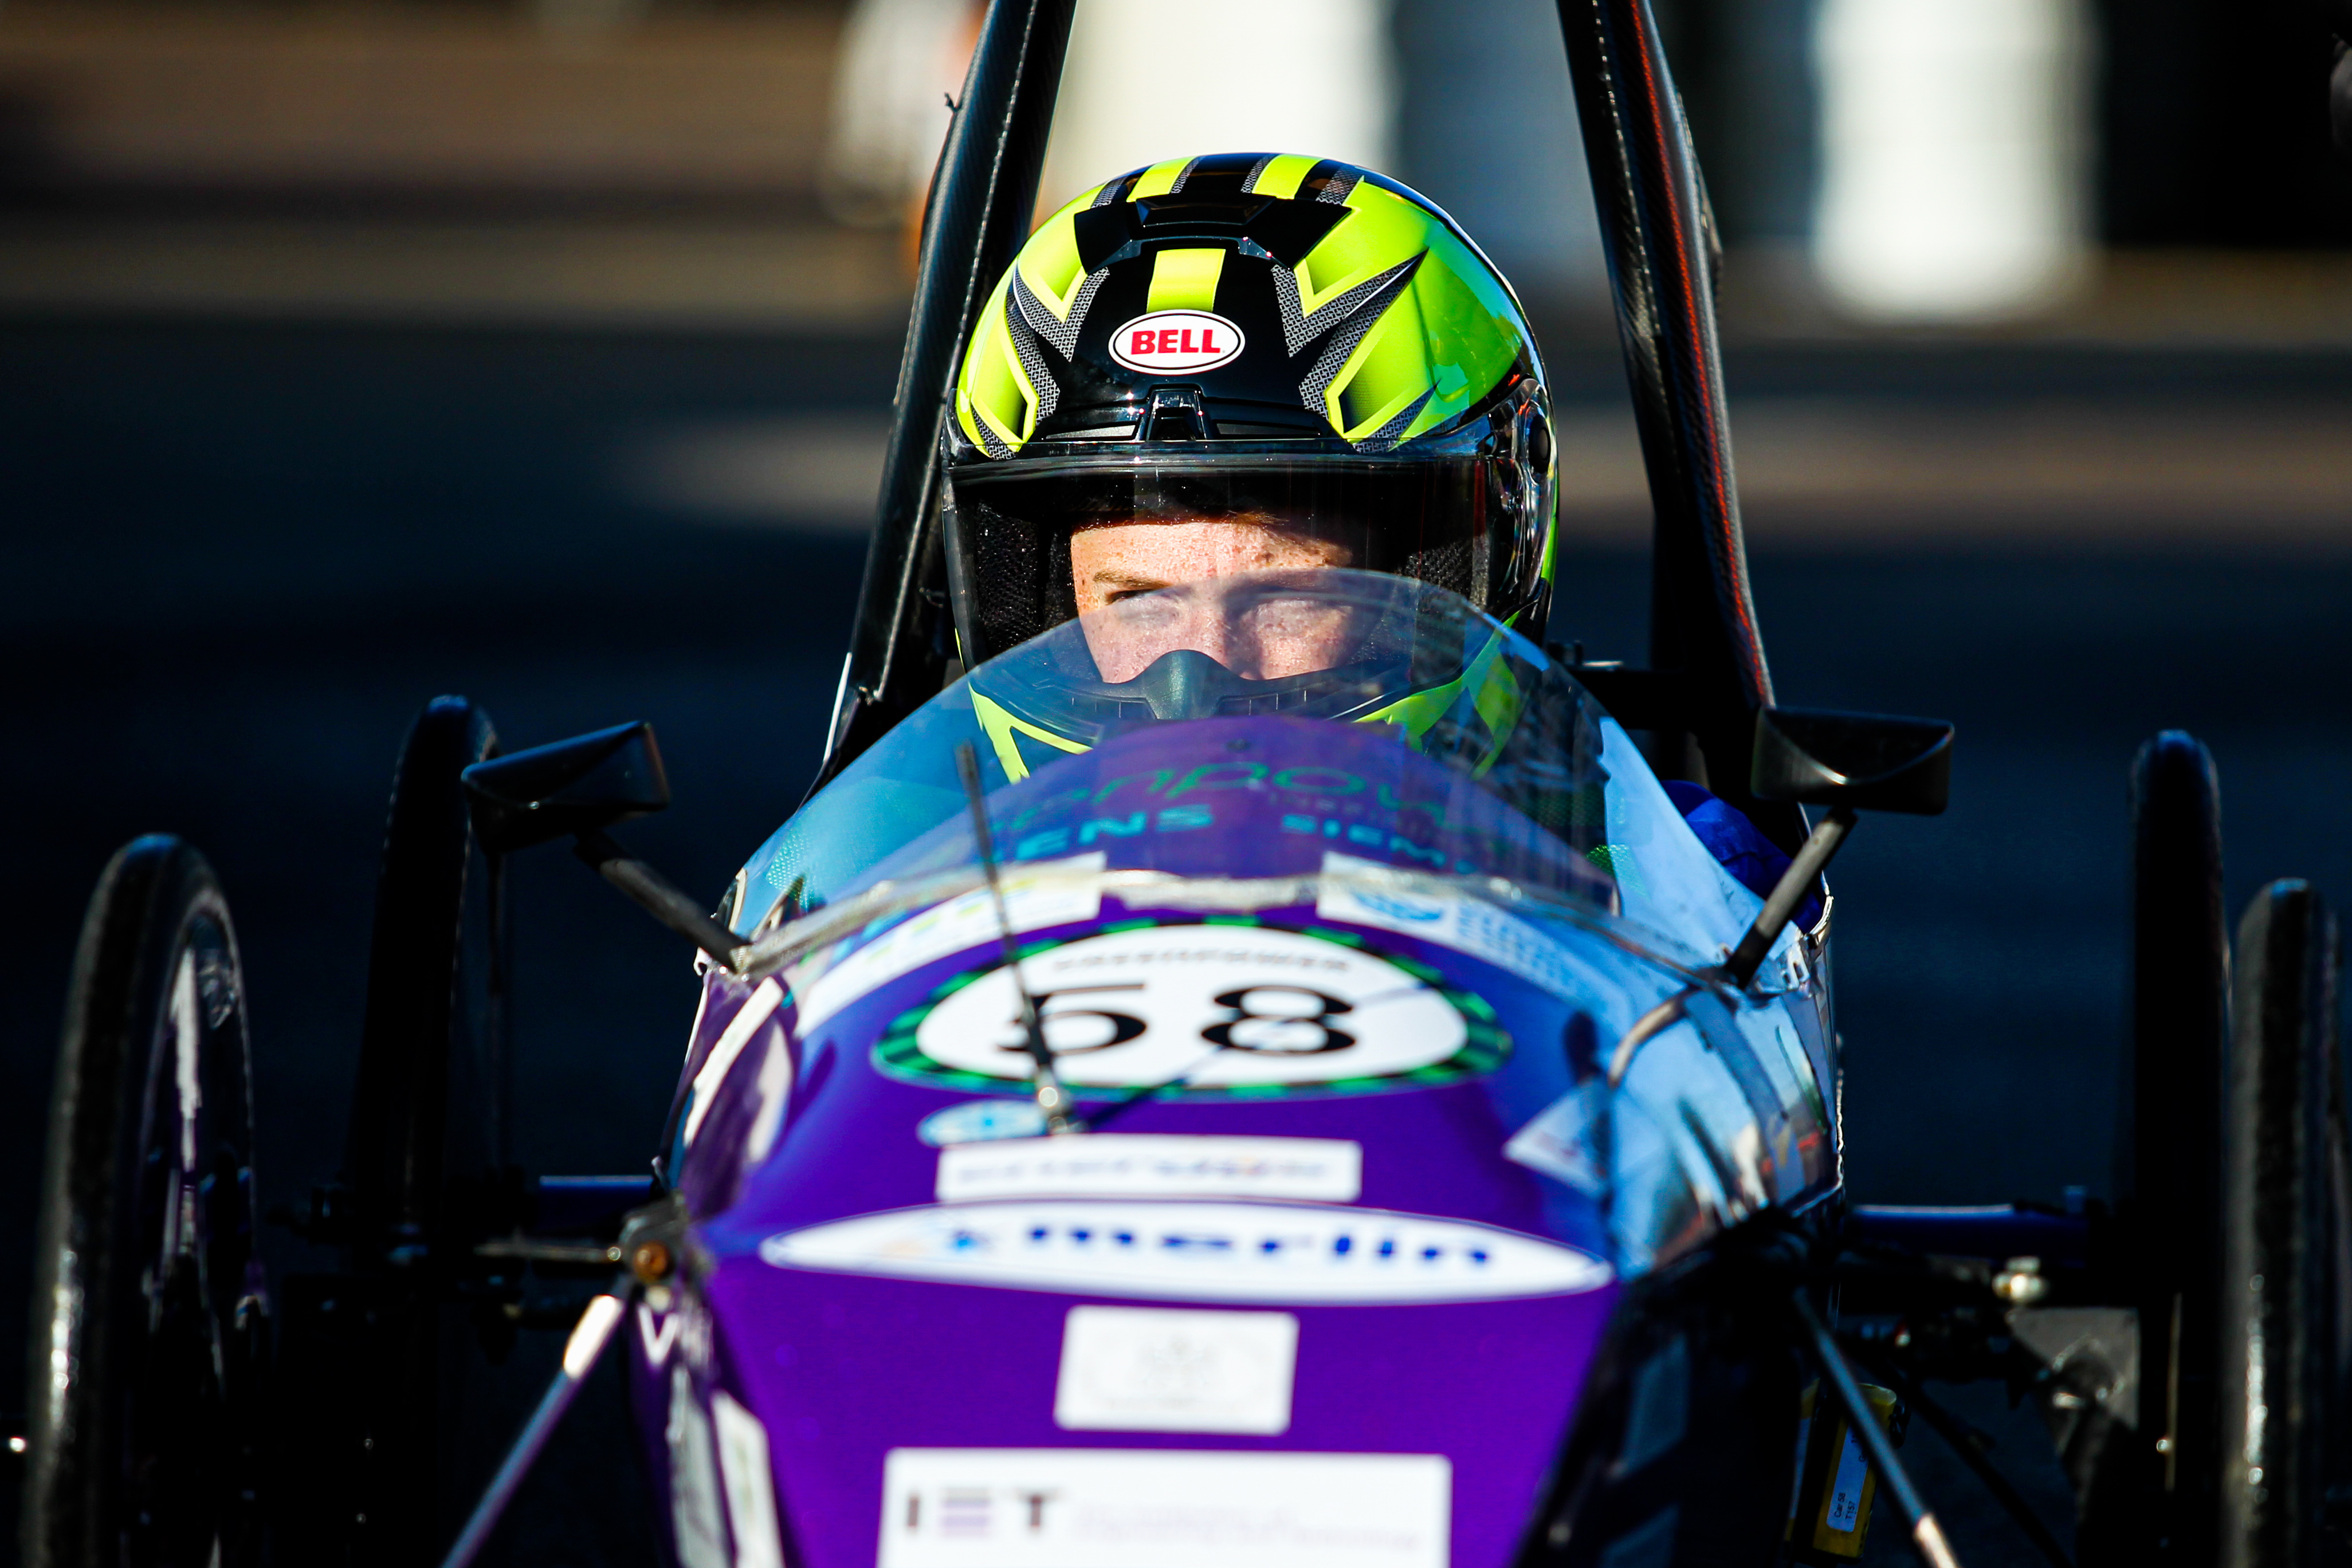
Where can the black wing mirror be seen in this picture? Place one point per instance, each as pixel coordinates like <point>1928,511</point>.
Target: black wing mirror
<point>1849,762</point>
<point>585,784</point>
<point>581,786</point>
<point>1867,761</point>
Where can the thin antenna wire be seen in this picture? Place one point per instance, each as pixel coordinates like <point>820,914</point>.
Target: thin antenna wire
<point>1052,1098</point>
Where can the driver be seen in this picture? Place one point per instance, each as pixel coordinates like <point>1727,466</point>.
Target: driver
<point>1111,563</point>
<point>1248,364</point>
<point>1243,362</point>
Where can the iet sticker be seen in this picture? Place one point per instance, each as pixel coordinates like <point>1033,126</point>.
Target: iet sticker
<point>1229,1011</point>
<point>1161,1508</point>
<point>1177,341</point>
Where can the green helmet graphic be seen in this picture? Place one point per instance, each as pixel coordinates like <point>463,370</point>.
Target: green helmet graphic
<point>1260,337</point>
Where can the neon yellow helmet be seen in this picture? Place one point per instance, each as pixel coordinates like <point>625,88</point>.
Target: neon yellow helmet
<point>1250,335</point>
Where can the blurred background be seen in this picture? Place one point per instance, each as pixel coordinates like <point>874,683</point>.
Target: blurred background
<point>354,350</point>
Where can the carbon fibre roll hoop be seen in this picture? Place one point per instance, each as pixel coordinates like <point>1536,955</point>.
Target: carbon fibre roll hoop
<point>982,201</point>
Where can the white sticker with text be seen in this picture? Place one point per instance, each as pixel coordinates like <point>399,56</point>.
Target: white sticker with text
<point>1195,1251</point>
<point>1353,895</point>
<point>1153,1165</point>
<point>1177,341</point>
<point>1151,1369</point>
<point>1200,1008</point>
<point>1111,1508</point>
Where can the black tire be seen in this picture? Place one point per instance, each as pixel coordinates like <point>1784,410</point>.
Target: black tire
<point>2282,1248</point>
<point>2151,1495</point>
<point>148,1317</point>
<point>374,1348</point>
<point>418,1034</point>
<point>420,1053</point>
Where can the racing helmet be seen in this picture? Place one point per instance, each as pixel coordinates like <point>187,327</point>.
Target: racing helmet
<point>1249,337</point>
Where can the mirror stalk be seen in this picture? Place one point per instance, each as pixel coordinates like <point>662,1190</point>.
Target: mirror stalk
<point>1053,1101</point>
<point>1812,858</point>
<point>581,786</point>
<point>657,895</point>
<point>1849,762</point>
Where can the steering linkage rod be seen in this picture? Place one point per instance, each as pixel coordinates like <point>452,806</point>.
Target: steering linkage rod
<point>1926,1535</point>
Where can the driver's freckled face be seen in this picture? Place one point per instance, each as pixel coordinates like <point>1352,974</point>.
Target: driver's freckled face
<point>1268,640</point>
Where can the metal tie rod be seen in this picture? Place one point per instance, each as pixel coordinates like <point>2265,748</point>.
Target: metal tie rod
<point>581,1351</point>
<point>1962,1440</point>
<point>1926,1535</point>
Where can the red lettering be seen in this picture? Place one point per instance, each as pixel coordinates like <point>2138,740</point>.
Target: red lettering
<point>1188,340</point>
<point>1141,342</point>
<point>1167,340</point>
<point>1208,340</point>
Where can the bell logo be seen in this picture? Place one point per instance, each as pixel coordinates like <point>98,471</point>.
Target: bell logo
<point>1176,341</point>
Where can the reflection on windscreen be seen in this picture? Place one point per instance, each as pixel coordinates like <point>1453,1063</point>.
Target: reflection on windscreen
<point>1251,726</point>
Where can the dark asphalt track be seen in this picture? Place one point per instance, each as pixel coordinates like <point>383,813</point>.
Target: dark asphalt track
<point>234,560</point>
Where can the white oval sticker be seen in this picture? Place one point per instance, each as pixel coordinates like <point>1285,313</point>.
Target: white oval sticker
<point>1199,1010</point>
<point>1195,1252</point>
<point>1176,341</point>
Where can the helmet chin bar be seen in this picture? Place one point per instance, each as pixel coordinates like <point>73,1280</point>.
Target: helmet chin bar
<point>1185,682</point>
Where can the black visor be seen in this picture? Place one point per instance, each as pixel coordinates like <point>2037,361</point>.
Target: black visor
<point>1451,522</point>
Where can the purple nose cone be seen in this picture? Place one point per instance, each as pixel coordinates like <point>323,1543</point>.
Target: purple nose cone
<point>1296,1315</point>
<point>910,1423</point>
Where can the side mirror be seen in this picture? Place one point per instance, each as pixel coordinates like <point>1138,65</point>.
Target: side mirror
<point>1849,762</point>
<point>581,786</point>
<point>578,786</point>
<point>1865,761</point>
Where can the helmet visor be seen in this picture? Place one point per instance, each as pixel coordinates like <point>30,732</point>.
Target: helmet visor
<point>1037,542</point>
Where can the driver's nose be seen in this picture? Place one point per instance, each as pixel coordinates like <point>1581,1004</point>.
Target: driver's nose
<point>1138,633</point>
<point>1209,630</point>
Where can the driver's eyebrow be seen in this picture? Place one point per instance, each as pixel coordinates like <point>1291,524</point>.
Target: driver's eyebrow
<point>1112,577</point>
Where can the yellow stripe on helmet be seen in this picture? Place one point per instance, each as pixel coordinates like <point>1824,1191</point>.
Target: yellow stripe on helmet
<point>1186,279</point>
<point>1283,175</point>
<point>1159,179</point>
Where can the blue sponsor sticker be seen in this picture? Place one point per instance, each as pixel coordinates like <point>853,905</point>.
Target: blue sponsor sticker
<point>979,1121</point>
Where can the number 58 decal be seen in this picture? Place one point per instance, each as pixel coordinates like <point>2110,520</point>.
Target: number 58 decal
<point>1216,1010</point>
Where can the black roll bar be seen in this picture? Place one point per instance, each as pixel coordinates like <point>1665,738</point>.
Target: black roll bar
<point>982,200</point>
<point>1659,235</point>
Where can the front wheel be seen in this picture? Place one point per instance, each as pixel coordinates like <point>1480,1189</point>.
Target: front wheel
<point>2148,1495</point>
<point>149,1316</point>
<point>370,1363</point>
<point>2283,1212</point>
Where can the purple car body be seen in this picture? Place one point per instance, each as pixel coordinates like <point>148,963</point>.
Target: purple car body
<point>1369,1162</point>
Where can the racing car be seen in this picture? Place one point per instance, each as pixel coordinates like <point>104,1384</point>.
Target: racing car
<point>1157,1101</point>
